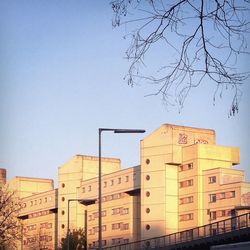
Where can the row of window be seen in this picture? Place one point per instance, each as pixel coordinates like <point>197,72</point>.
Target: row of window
<point>212,197</point>
<point>120,225</point>
<point>113,197</point>
<point>115,241</point>
<point>106,183</point>
<point>186,183</point>
<point>30,228</point>
<point>220,196</point>
<point>114,226</point>
<point>94,230</point>
<point>120,210</point>
<point>186,200</point>
<point>186,217</point>
<point>95,215</point>
<point>38,201</point>
<point>115,211</point>
<point>186,167</point>
<point>45,225</point>
<point>34,239</point>
<point>107,197</point>
<point>96,244</point>
<point>38,214</point>
<point>220,213</point>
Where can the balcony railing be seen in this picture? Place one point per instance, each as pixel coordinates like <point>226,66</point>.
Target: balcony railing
<point>202,232</point>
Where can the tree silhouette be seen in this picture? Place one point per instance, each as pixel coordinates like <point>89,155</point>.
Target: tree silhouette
<point>203,40</point>
<point>76,240</point>
<point>10,226</point>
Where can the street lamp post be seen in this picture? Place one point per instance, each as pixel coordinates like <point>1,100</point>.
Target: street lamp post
<point>84,202</point>
<point>117,131</point>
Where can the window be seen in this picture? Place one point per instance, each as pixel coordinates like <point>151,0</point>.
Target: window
<point>147,177</point>
<point>147,210</point>
<point>221,213</point>
<point>45,225</point>
<point>105,184</point>
<point>232,194</point>
<point>117,241</point>
<point>112,183</point>
<point>186,183</point>
<point>49,225</point>
<point>125,226</point>
<point>185,217</point>
<point>89,188</point>
<point>147,193</point>
<point>125,211</point>
<point>212,179</point>
<point>186,200</point>
<point>223,195</point>
<point>127,178</point>
<point>186,167</point>
<point>63,185</point>
<point>188,234</point>
<point>45,238</point>
<point>116,196</point>
<point>116,211</point>
<point>212,197</point>
<point>119,180</point>
<point>147,227</point>
<point>213,215</point>
<point>147,161</point>
<point>83,190</point>
<point>31,227</point>
<point>116,226</point>
<point>63,198</point>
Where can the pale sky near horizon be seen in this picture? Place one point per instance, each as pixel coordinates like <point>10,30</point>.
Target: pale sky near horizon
<point>61,78</point>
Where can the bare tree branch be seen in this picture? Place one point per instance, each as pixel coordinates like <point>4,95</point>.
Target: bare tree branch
<point>207,38</point>
<point>10,207</point>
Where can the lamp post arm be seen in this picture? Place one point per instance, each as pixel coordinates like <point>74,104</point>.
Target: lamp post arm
<point>115,130</point>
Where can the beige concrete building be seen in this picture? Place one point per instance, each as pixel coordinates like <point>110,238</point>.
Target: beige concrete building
<point>184,180</point>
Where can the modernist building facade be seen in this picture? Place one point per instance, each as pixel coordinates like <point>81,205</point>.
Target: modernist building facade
<point>184,180</point>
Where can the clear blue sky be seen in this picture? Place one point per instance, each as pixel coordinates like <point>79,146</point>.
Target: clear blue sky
<point>61,78</point>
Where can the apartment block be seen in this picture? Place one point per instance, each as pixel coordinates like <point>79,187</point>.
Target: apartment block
<point>184,180</point>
